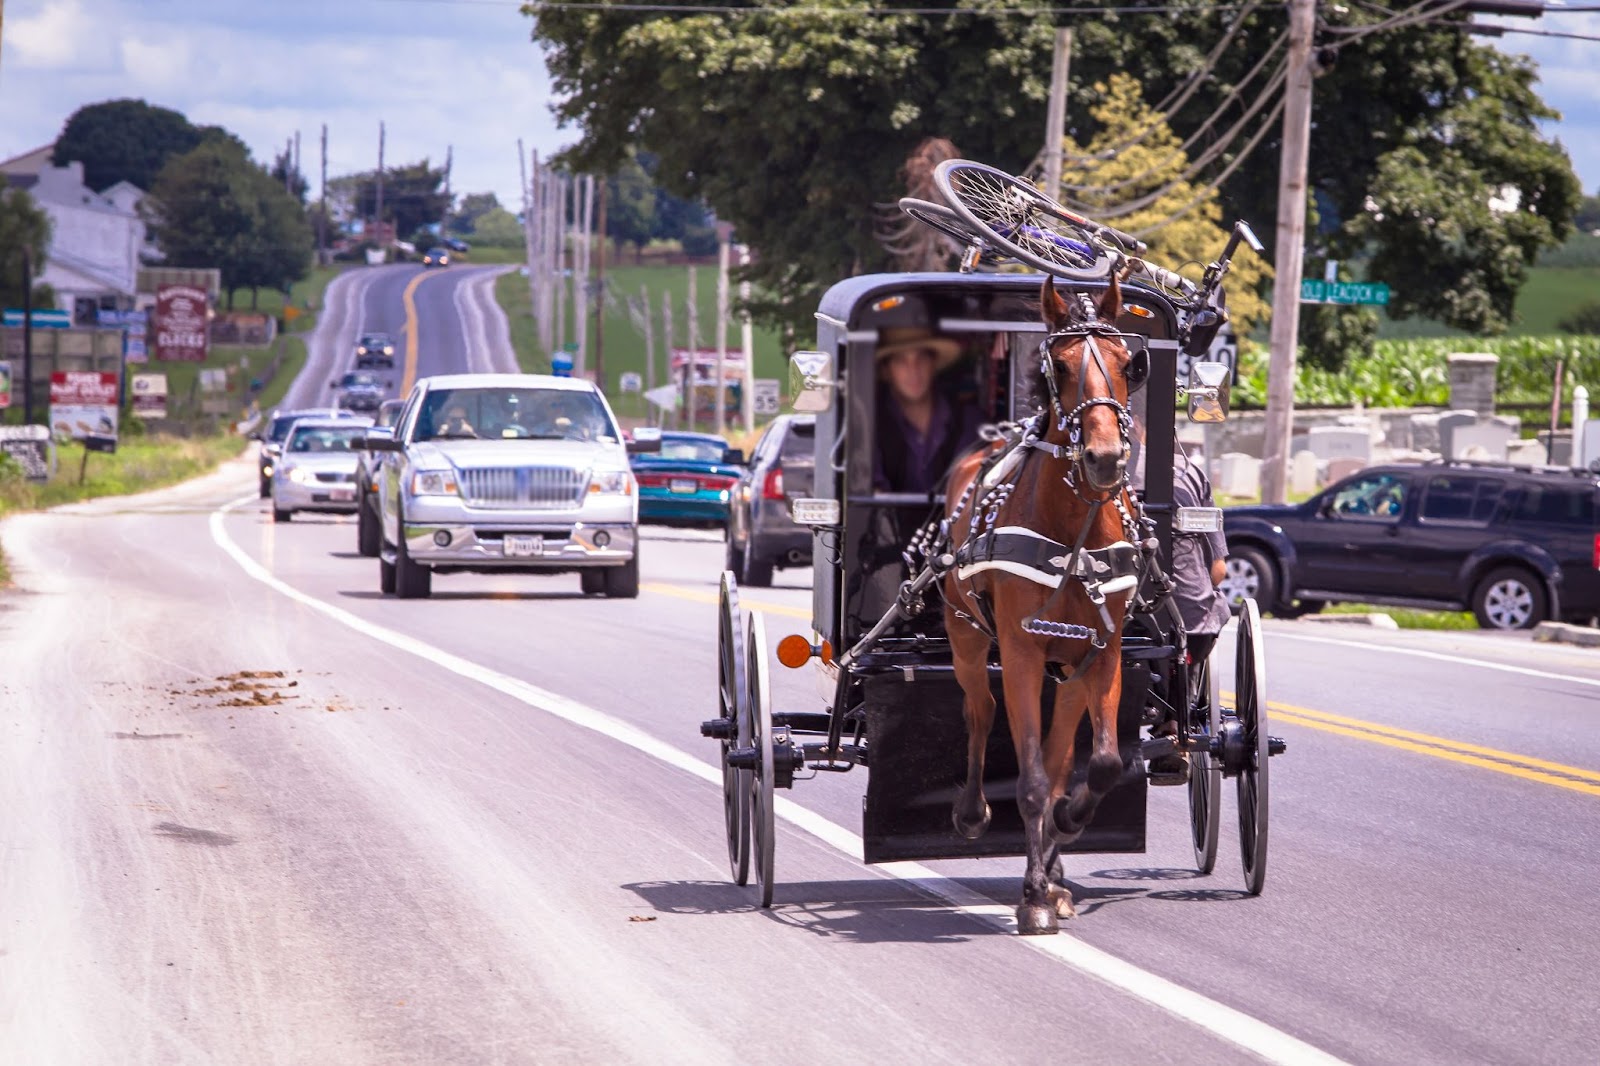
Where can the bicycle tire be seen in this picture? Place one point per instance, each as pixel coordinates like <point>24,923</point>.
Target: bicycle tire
<point>946,221</point>
<point>1015,218</point>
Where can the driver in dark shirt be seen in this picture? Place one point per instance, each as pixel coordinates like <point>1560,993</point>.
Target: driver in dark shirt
<point>919,430</point>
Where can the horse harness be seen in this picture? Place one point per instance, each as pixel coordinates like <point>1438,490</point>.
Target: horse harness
<point>1025,553</point>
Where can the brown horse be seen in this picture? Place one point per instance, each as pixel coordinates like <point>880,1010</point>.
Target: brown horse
<point>1069,488</point>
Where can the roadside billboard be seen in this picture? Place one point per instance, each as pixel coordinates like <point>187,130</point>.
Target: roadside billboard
<point>149,395</point>
<point>5,385</point>
<point>83,404</point>
<point>181,324</point>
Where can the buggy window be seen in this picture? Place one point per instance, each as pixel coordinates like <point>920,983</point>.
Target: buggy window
<point>1557,505</point>
<point>1461,499</point>
<point>1376,496</point>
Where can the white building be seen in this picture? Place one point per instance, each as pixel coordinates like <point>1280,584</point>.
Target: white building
<point>96,239</point>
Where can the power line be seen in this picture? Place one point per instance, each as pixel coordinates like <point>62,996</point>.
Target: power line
<point>870,12</point>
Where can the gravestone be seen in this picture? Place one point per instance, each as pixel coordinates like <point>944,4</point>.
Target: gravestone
<point>1340,442</point>
<point>1303,473</point>
<point>1485,439</point>
<point>1339,469</point>
<point>1525,453</point>
<point>1449,422</point>
<point>1472,381</point>
<point>1240,475</point>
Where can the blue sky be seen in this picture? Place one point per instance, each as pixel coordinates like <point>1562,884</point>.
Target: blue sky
<point>459,73</point>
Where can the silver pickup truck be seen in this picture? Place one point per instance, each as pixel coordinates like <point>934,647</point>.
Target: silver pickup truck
<point>506,472</point>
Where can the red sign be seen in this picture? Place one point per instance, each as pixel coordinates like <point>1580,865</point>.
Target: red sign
<point>180,326</point>
<point>83,404</point>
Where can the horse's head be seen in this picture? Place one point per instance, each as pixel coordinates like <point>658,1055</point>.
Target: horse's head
<point>1088,372</point>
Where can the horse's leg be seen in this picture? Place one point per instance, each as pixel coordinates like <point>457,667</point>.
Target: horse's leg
<point>970,649</point>
<point>1061,746</point>
<point>1100,693</point>
<point>1024,680</point>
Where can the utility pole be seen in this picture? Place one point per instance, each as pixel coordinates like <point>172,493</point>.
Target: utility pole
<point>1056,114</point>
<point>322,216</point>
<point>1290,253</point>
<point>600,296</point>
<point>747,342</point>
<point>379,219</point>
<point>666,324</point>
<point>27,335</point>
<point>694,345</point>
<point>719,387</point>
<point>296,158</point>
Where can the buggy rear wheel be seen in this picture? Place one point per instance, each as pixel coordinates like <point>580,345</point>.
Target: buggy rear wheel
<point>946,221</point>
<point>1205,777</point>
<point>1250,705</point>
<point>734,694</point>
<point>1017,219</point>
<point>762,840</point>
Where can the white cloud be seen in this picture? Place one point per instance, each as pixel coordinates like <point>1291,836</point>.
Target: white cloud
<point>52,38</point>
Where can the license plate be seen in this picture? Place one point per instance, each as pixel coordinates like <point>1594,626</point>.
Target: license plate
<point>517,544</point>
<point>684,484</point>
<point>341,494</point>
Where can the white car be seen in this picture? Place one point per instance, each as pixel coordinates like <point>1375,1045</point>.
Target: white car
<point>507,472</point>
<point>316,469</point>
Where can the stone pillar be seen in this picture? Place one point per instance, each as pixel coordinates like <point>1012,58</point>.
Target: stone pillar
<point>1472,381</point>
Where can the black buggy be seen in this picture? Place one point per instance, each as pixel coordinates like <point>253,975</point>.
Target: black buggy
<point>878,633</point>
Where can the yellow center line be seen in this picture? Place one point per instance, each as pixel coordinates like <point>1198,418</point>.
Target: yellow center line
<point>712,598</point>
<point>410,303</point>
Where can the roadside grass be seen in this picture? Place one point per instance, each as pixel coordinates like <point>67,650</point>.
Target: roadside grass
<point>1407,618</point>
<point>488,254</point>
<point>624,342</point>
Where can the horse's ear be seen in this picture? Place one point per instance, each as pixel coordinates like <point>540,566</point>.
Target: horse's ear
<point>1111,303</point>
<point>1057,312</point>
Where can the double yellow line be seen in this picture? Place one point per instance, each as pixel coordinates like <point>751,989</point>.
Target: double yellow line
<point>1526,767</point>
<point>408,299</point>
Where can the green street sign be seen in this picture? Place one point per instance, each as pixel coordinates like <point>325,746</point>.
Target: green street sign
<point>1344,292</point>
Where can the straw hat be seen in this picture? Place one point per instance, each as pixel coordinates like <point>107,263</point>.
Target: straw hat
<point>893,339</point>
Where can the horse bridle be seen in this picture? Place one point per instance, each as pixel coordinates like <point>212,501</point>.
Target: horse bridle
<point>1071,422</point>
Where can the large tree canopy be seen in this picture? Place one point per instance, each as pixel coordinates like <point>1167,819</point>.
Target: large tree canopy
<point>792,123</point>
<point>413,196</point>
<point>128,140</point>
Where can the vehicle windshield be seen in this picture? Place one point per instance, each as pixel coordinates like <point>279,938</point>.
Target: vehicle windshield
<point>283,424</point>
<point>375,340</point>
<point>514,414</point>
<point>307,439</point>
<point>351,380</point>
<point>389,413</point>
<point>692,449</point>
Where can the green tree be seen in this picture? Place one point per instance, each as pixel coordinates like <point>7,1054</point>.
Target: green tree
<point>1588,217</point>
<point>1184,224</point>
<point>499,228</point>
<point>413,196</point>
<point>124,140</point>
<point>473,207</point>
<point>791,123</point>
<point>214,207</point>
<point>22,225</point>
<point>288,176</point>
<point>631,206</point>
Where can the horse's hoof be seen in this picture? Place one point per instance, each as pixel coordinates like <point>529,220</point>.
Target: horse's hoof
<point>1037,919</point>
<point>1062,900</point>
<point>972,830</point>
<point>1104,772</point>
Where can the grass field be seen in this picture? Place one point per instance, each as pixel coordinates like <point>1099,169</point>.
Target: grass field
<point>1551,293</point>
<point>624,342</point>
<point>1406,618</point>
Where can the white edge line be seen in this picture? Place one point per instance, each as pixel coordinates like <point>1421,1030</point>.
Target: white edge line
<point>1233,1026</point>
<point>1421,653</point>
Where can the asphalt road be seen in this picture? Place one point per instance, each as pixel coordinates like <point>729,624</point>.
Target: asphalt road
<point>483,828</point>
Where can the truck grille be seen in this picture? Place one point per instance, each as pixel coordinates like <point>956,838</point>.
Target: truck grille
<point>335,477</point>
<point>539,487</point>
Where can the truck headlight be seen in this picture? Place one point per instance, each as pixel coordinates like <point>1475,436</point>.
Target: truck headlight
<point>611,483</point>
<point>388,349</point>
<point>301,476</point>
<point>434,483</point>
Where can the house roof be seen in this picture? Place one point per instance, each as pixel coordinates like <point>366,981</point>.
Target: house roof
<point>29,162</point>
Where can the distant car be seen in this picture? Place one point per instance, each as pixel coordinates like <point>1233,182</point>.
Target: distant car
<point>762,534</point>
<point>375,351</point>
<point>436,256</point>
<point>1515,545</point>
<point>272,434</point>
<point>360,390</point>
<point>689,481</point>
<point>317,469</point>
<point>369,467</point>
<point>456,244</point>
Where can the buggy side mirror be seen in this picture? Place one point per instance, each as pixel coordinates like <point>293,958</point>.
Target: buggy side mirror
<point>1209,392</point>
<point>811,381</point>
<point>379,439</point>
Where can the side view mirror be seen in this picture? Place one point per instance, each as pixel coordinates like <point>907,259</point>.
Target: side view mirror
<point>733,457</point>
<point>1209,392</point>
<point>380,439</point>
<point>811,381</point>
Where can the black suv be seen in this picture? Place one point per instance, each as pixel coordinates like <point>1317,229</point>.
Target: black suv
<point>762,534</point>
<point>1516,545</point>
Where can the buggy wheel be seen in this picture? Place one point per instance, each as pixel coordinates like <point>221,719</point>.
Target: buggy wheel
<point>946,221</point>
<point>1250,704</point>
<point>1205,777</point>
<point>733,694</point>
<point>1017,219</point>
<point>762,781</point>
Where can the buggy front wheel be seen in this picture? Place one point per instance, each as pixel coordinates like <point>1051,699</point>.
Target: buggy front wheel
<point>733,692</point>
<point>1205,777</point>
<point>763,843</point>
<point>1250,705</point>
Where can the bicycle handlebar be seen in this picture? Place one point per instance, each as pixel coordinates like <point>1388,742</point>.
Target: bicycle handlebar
<point>1167,279</point>
<point>1129,242</point>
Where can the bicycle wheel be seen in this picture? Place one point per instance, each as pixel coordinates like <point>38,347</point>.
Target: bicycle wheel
<point>947,222</point>
<point>1015,218</point>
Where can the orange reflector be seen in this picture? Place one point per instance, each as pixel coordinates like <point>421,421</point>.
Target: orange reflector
<point>827,650</point>
<point>1138,311</point>
<point>794,651</point>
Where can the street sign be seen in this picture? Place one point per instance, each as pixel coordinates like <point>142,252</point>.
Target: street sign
<point>29,447</point>
<point>631,382</point>
<point>123,319</point>
<point>45,319</point>
<point>150,395</point>
<point>1313,291</point>
<point>182,324</point>
<point>664,396</point>
<point>764,400</point>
